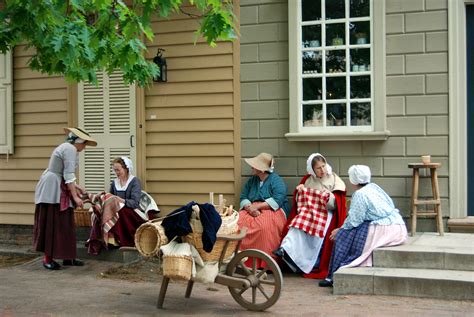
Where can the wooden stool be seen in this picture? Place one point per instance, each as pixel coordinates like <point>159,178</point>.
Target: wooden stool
<point>436,201</point>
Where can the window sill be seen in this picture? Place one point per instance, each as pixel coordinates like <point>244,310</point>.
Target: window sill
<point>344,136</point>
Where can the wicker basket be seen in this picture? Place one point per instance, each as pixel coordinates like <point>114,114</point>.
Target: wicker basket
<point>149,237</point>
<point>177,267</point>
<point>195,238</point>
<point>229,224</point>
<point>82,218</point>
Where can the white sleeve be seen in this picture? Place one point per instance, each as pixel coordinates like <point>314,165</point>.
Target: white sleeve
<point>69,158</point>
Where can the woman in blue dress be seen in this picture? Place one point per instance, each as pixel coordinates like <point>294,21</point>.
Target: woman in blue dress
<point>263,206</point>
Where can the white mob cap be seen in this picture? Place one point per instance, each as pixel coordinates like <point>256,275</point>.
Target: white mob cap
<point>359,174</point>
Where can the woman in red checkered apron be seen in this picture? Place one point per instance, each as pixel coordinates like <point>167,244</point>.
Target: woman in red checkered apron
<point>318,205</point>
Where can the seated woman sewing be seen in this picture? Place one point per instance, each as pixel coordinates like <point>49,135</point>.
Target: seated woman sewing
<point>118,214</point>
<point>305,246</point>
<point>128,190</point>
<point>372,222</point>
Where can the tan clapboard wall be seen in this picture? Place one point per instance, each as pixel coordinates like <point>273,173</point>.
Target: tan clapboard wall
<point>193,120</point>
<point>192,148</point>
<point>40,112</point>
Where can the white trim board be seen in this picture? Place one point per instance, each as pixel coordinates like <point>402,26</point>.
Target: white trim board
<point>457,108</point>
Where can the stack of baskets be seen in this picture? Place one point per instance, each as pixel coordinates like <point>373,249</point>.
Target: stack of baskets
<point>177,263</point>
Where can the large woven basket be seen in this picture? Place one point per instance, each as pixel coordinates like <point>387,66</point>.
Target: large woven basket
<point>195,238</point>
<point>229,224</point>
<point>178,267</point>
<point>82,218</point>
<point>149,237</point>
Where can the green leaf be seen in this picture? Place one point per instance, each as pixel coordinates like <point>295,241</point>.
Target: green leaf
<point>67,43</point>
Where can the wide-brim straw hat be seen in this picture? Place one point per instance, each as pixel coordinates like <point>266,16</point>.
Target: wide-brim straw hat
<point>262,162</point>
<point>82,134</point>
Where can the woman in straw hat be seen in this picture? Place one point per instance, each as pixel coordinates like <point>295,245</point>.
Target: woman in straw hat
<point>304,249</point>
<point>56,195</point>
<point>263,206</point>
<point>372,222</point>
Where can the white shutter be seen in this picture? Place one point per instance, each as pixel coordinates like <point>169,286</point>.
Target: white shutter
<point>107,112</point>
<point>94,169</point>
<point>93,120</point>
<point>6,104</point>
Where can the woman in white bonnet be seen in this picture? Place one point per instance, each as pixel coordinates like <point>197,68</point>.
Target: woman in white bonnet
<point>372,218</point>
<point>128,188</point>
<point>299,250</point>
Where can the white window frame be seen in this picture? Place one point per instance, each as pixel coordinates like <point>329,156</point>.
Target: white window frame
<point>457,108</point>
<point>377,130</point>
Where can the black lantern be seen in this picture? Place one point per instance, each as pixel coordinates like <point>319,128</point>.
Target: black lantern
<point>161,62</point>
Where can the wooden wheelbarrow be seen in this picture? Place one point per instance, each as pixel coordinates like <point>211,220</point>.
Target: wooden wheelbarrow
<point>253,288</point>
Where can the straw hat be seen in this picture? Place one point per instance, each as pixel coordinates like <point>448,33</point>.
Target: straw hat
<point>262,162</point>
<point>82,134</point>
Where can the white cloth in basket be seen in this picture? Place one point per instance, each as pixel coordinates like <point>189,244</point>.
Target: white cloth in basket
<point>229,224</point>
<point>204,272</point>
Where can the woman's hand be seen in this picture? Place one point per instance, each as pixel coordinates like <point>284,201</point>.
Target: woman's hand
<point>252,210</point>
<point>334,233</point>
<point>80,190</point>
<point>300,187</point>
<point>78,201</point>
<point>121,200</point>
<point>255,213</point>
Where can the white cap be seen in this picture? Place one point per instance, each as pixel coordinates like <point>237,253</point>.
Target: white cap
<point>128,164</point>
<point>359,174</point>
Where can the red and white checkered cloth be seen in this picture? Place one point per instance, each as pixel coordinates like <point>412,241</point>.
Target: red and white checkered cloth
<point>312,213</point>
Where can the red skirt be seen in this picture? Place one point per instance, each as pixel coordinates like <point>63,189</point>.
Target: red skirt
<point>126,226</point>
<point>54,231</point>
<point>263,232</point>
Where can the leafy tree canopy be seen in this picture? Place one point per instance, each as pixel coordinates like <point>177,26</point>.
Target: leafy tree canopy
<point>75,38</point>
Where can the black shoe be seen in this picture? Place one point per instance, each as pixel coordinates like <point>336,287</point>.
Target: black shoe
<point>278,252</point>
<point>74,262</point>
<point>53,265</point>
<point>325,283</point>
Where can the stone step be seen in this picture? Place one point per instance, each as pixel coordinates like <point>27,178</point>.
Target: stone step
<point>424,257</point>
<point>464,225</point>
<point>443,284</point>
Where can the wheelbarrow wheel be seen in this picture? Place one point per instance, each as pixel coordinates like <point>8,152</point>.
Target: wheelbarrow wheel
<point>265,284</point>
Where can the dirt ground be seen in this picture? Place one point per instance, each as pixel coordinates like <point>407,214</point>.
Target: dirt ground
<point>12,260</point>
<point>109,289</point>
<point>144,270</point>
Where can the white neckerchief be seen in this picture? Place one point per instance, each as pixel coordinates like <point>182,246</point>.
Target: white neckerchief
<point>119,187</point>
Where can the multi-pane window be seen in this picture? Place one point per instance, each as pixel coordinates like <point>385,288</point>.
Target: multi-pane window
<point>335,65</point>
